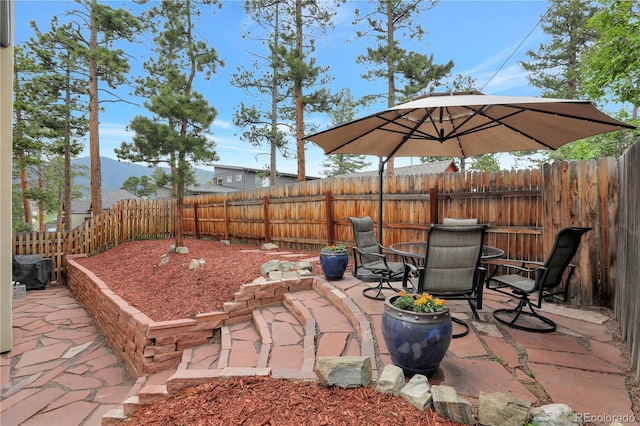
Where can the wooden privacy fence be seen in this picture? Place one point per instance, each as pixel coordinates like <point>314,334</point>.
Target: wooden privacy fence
<point>125,221</point>
<point>627,291</point>
<point>524,210</point>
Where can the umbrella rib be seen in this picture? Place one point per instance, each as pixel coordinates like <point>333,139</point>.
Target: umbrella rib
<point>408,135</point>
<point>572,116</point>
<point>386,121</point>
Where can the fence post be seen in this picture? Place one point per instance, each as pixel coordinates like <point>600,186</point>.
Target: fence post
<point>433,204</point>
<point>265,214</point>
<point>195,220</point>
<point>226,219</point>
<point>329,213</point>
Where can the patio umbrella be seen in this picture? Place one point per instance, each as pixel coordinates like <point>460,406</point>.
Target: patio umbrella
<point>465,124</point>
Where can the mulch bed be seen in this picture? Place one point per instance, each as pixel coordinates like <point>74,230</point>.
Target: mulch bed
<point>263,401</point>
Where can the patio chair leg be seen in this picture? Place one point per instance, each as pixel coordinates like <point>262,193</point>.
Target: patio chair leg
<point>378,289</point>
<point>462,323</point>
<point>517,311</point>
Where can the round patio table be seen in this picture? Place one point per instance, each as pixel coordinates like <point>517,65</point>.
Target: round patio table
<point>416,251</point>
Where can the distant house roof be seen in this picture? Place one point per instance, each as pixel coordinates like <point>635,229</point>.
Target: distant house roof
<point>419,169</point>
<point>249,169</point>
<point>108,199</point>
<point>209,189</point>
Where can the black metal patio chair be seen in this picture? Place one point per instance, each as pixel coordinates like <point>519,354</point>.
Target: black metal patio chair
<point>452,269</point>
<point>547,282</point>
<point>370,260</point>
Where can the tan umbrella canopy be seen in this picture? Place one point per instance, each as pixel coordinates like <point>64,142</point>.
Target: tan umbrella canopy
<point>466,124</point>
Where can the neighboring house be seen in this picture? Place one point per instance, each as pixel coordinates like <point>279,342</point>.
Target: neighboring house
<point>445,166</point>
<point>246,178</point>
<point>81,209</point>
<point>167,192</point>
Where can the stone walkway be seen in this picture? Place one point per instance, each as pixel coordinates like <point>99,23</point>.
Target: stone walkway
<point>61,372</point>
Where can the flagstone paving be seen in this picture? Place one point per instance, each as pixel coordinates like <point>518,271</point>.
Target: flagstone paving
<point>61,372</point>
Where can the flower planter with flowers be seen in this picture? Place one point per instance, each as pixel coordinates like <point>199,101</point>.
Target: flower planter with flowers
<point>333,261</point>
<point>417,330</point>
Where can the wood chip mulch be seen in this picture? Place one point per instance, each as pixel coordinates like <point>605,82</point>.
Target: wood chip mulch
<point>160,284</point>
<point>265,401</point>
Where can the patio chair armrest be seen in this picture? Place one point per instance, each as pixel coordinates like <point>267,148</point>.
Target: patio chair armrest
<point>518,265</point>
<point>360,252</point>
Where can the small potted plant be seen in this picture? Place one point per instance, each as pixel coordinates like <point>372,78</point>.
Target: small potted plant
<point>420,322</point>
<point>333,261</point>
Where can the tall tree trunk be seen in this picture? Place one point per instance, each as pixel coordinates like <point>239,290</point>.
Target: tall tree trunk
<point>298,97</point>
<point>180,184</point>
<point>66,204</point>
<point>273,172</point>
<point>24,185</point>
<point>391,69</point>
<point>40,201</point>
<point>94,141</point>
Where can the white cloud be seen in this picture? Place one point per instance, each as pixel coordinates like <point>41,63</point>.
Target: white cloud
<point>222,124</point>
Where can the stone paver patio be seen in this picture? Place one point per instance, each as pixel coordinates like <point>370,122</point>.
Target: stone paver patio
<point>61,372</point>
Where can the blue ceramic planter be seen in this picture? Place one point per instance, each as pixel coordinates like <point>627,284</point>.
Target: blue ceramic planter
<point>417,342</point>
<point>333,264</point>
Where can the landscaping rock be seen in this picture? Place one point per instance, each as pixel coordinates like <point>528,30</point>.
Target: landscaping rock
<point>554,415</point>
<point>391,380</point>
<point>449,405</point>
<point>500,409</point>
<point>163,261</point>
<point>277,270</point>
<point>196,263</point>
<point>416,392</point>
<point>304,266</point>
<point>269,266</point>
<point>344,371</point>
<point>182,250</point>
<point>269,246</point>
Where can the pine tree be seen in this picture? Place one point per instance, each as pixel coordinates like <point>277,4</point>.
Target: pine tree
<point>343,111</point>
<point>177,132</point>
<point>96,30</point>
<point>264,79</point>
<point>391,62</point>
<point>68,122</point>
<point>555,66</point>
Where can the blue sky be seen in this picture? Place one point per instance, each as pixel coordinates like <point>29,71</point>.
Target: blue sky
<point>481,37</point>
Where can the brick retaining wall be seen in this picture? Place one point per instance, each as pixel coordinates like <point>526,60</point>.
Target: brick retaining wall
<point>147,346</point>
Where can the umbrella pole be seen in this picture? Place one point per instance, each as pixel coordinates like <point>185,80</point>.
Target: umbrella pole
<point>380,183</point>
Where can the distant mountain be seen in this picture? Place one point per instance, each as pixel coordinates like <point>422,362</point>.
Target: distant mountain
<point>115,172</point>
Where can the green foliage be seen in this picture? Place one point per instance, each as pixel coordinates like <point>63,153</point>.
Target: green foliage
<point>612,64</point>
<point>486,163</point>
<point>141,186</point>
<point>336,248</point>
<point>160,177</point>
<point>177,132</point>
<point>423,303</point>
<point>388,60</point>
<point>285,76</point>
<point>496,358</point>
<point>344,110</point>
<point>612,144</point>
<point>18,224</point>
<point>555,67</point>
